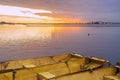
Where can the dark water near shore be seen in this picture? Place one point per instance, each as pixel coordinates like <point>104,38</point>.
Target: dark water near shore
<point>18,42</point>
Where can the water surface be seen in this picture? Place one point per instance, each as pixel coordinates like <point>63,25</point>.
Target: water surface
<point>18,42</point>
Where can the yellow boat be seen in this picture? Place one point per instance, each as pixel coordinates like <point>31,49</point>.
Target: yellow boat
<point>35,62</point>
<point>49,67</point>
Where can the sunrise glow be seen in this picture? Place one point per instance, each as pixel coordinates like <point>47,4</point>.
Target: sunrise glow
<point>15,14</point>
<point>23,12</point>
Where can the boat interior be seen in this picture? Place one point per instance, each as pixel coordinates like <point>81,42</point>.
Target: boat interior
<point>59,67</point>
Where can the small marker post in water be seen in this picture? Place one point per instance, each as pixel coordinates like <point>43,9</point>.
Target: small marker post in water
<point>88,34</point>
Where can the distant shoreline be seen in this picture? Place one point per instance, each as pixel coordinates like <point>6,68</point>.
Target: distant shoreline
<point>61,25</point>
<point>96,22</point>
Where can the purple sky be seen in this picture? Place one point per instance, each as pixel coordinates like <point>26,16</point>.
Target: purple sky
<point>88,10</point>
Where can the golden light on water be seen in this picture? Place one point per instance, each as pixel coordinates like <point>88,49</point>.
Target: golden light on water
<point>25,33</point>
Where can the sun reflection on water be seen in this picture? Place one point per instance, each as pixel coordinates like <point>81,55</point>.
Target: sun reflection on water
<point>17,33</point>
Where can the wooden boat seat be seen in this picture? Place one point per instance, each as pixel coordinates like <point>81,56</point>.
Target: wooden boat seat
<point>29,66</point>
<point>45,75</point>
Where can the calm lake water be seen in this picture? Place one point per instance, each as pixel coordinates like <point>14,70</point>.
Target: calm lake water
<point>18,42</point>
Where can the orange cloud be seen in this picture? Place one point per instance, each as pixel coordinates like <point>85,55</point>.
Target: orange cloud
<point>28,15</point>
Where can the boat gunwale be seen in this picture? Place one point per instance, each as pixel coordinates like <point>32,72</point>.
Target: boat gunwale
<point>43,57</point>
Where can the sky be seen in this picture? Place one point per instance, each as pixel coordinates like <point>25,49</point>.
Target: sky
<point>59,10</point>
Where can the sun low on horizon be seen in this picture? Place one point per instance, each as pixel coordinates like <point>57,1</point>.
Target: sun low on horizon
<point>17,14</point>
